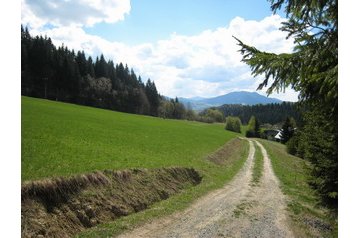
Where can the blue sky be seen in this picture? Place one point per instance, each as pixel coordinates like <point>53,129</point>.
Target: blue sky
<point>150,21</point>
<point>185,46</point>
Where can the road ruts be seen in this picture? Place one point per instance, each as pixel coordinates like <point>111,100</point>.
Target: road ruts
<point>213,214</point>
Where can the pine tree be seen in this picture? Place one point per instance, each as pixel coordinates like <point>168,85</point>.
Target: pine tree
<point>90,67</point>
<point>312,69</point>
<point>253,129</point>
<point>288,129</point>
<point>153,97</point>
<point>82,63</point>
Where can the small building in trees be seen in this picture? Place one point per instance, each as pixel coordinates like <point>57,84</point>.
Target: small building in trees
<point>278,136</point>
<point>274,135</point>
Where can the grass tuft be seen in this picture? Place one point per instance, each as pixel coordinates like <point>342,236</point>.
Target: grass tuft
<point>258,166</point>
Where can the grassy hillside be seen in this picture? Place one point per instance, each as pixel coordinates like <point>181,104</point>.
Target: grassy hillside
<point>60,139</point>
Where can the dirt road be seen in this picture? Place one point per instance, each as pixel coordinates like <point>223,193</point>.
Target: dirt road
<point>260,210</point>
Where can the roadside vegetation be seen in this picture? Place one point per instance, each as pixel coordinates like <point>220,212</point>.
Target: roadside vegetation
<point>309,217</point>
<point>258,166</point>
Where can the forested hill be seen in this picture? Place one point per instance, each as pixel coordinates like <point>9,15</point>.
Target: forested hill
<point>241,97</point>
<point>272,113</point>
<point>63,75</point>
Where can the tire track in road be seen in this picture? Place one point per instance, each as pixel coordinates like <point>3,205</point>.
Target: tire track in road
<point>213,214</point>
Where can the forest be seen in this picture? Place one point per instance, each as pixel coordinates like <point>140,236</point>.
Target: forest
<point>272,113</point>
<point>61,74</point>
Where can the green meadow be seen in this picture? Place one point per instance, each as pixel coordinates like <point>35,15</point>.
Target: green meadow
<point>60,139</point>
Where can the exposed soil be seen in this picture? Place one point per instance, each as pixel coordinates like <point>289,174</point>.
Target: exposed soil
<point>62,207</point>
<point>236,210</point>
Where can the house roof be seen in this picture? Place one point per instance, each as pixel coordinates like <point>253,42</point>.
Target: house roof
<point>278,135</point>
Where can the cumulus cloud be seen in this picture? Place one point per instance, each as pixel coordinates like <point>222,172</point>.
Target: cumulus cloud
<point>206,64</point>
<point>38,13</point>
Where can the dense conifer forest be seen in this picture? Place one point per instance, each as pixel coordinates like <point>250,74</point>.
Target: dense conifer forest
<point>273,113</point>
<point>61,74</point>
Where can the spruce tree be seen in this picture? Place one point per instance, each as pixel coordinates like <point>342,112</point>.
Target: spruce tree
<point>253,128</point>
<point>288,129</point>
<point>312,70</point>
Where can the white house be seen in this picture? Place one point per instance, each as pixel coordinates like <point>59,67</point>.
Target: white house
<point>278,136</point>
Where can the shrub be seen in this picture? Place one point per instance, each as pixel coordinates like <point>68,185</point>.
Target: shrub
<point>233,124</point>
<point>214,114</point>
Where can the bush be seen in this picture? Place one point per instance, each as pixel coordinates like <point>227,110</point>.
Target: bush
<point>205,119</point>
<point>233,124</point>
<point>214,115</point>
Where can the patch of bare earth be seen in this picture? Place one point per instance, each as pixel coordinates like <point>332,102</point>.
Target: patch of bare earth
<point>62,207</point>
<point>236,210</point>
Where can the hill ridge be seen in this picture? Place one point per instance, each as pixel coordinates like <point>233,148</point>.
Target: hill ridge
<point>237,97</point>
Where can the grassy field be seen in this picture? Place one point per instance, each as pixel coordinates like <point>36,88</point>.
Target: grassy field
<point>60,139</point>
<point>309,218</point>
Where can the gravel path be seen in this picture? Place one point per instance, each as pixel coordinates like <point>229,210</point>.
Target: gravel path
<point>262,211</point>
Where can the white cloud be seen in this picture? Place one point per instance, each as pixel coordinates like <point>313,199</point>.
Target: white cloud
<point>38,13</point>
<point>206,64</point>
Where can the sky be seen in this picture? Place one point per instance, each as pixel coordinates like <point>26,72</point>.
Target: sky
<point>186,47</point>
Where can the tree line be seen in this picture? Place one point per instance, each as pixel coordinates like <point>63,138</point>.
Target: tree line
<point>61,74</point>
<point>272,113</point>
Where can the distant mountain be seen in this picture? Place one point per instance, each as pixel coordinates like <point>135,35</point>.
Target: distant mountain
<point>242,97</point>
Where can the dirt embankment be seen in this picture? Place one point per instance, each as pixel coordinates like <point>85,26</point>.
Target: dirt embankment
<point>62,207</point>
<point>225,154</point>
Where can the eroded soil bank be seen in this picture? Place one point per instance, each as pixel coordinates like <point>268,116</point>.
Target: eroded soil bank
<point>62,207</point>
